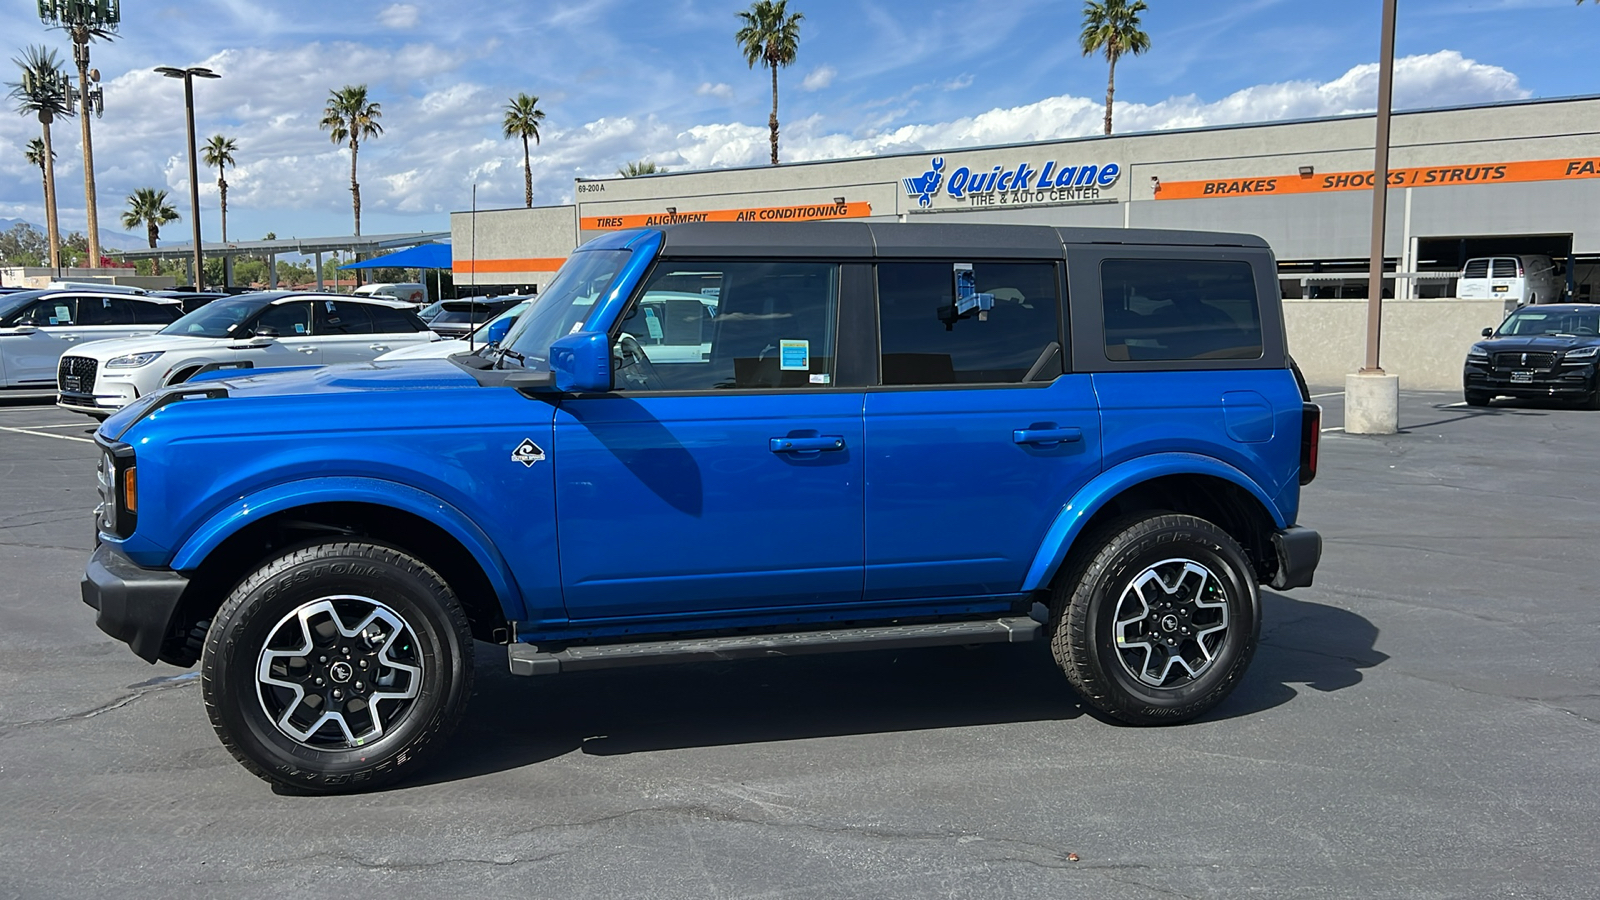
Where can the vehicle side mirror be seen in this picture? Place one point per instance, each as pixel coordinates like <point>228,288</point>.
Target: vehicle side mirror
<point>497,330</point>
<point>1488,332</point>
<point>582,362</point>
<point>25,329</point>
<point>265,331</point>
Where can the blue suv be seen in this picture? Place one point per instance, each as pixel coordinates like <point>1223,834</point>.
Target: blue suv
<point>709,441</point>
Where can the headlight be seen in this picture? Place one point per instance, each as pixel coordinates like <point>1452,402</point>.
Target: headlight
<point>1477,354</point>
<point>134,360</point>
<point>1582,353</point>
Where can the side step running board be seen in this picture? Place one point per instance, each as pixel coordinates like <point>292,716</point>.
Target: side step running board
<point>527,659</point>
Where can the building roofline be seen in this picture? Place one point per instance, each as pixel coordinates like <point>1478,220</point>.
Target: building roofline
<point>1235,126</point>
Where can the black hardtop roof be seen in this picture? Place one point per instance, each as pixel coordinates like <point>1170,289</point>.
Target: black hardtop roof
<point>905,239</point>
<point>1559,307</point>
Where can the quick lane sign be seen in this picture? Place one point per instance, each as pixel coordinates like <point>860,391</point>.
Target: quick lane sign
<point>1024,183</point>
<point>814,213</point>
<point>1427,176</point>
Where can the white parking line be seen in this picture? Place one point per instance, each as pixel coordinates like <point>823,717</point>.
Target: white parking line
<point>1329,394</point>
<point>58,425</point>
<point>59,437</point>
<point>1334,428</point>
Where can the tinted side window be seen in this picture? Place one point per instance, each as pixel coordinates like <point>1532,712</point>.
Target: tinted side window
<point>155,313</point>
<point>343,318</point>
<point>105,311</point>
<point>287,319</point>
<point>50,311</point>
<point>726,325</point>
<point>923,343</point>
<point>1180,309</point>
<point>386,320</point>
<point>1476,268</point>
<point>1505,268</point>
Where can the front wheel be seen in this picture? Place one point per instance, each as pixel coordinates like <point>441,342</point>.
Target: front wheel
<point>337,667</point>
<point>1476,398</point>
<point>1158,621</point>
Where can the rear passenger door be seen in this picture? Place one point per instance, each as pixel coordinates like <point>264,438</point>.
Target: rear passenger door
<point>394,328</point>
<point>343,331</point>
<point>105,318</point>
<point>977,436</point>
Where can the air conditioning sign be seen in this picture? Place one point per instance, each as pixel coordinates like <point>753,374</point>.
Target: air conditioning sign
<point>1019,185</point>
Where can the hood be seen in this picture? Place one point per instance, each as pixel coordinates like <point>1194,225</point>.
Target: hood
<point>114,347</point>
<point>1543,343</point>
<point>414,375</point>
<point>437,349</point>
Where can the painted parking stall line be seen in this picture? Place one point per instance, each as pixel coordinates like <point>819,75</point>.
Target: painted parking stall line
<point>46,434</point>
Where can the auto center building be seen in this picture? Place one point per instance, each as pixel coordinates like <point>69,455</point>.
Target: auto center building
<point>1502,178</point>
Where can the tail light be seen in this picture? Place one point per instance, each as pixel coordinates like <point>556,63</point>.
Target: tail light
<point>1310,440</point>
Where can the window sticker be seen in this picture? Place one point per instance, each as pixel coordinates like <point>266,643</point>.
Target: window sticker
<point>821,379</point>
<point>794,356</point>
<point>54,321</point>
<point>64,314</point>
<point>299,328</point>
<point>329,305</point>
<point>653,324</point>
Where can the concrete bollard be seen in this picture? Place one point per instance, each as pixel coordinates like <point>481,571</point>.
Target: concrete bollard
<point>1371,404</point>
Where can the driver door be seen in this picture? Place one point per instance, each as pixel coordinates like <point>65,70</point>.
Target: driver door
<point>293,344</point>
<point>31,359</point>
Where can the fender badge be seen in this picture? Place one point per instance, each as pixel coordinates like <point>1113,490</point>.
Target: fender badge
<point>527,453</point>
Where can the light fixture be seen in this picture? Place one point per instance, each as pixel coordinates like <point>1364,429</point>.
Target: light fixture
<point>1155,183</point>
<point>188,76</point>
<point>1307,171</point>
<point>672,210</point>
<point>838,201</point>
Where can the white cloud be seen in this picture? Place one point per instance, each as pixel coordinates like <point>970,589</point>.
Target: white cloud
<point>399,16</point>
<point>958,83</point>
<point>820,77</point>
<point>719,90</point>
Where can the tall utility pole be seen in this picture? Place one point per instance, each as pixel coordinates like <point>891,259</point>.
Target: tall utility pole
<point>189,75</point>
<point>86,20</point>
<point>1380,192</point>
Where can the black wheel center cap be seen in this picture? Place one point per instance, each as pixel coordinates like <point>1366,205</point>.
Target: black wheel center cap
<point>1169,622</point>
<point>341,672</point>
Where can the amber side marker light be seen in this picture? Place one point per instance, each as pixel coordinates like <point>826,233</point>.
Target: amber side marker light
<point>130,490</point>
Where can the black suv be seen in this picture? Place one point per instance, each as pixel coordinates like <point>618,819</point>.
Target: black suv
<point>1547,350</point>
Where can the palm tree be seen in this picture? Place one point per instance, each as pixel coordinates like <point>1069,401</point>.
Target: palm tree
<point>771,37</point>
<point>348,118</point>
<point>149,207</point>
<point>85,22</point>
<point>218,151</point>
<point>523,116</point>
<point>642,167</point>
<point>45,91</point>
<point>35,153</point>
<point>1112,27</point>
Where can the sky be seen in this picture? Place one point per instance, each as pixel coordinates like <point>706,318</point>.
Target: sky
<point>665,81</point>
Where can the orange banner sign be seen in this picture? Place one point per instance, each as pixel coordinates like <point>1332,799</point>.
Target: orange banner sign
<point>1428,176</point>
<point>817,213</point>
<point>536,264</point>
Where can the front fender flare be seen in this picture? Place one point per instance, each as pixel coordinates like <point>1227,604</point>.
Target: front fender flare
<point>343,489</point>
<point>1093,496</point>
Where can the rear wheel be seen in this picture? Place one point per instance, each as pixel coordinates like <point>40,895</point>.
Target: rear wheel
<point>337,667</point>
<point>1477,398</point>
<point>1158,621</point>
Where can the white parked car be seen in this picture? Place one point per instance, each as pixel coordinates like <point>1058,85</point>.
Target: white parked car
<point>251,331</point>
<point>38,327</point>
<point>451,346</point>
<point>410,293</point>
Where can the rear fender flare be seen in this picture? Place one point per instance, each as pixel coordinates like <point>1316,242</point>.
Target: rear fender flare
<point>281,497</point>
<point>1089,499</point>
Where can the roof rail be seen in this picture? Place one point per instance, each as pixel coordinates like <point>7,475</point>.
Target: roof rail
<point>95,286</point>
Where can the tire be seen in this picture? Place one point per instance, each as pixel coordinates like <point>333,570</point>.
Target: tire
<point>1476,398</point>
<point>1162,558</point>
<point>307,719</point>
<point>1593,401</point>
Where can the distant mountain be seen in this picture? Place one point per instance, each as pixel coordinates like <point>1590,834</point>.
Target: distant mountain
<point>114,239</point>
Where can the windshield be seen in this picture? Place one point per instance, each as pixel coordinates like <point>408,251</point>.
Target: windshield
<point>1561,323</point>
<point>564,305</point>
<point>11,303</point>
<point>217,319</point>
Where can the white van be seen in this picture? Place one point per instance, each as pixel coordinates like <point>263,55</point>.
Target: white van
<point>1518,280</point>
<point>405,293</point>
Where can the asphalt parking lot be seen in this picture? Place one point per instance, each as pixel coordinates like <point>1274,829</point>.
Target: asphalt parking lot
<point>1424,722</point>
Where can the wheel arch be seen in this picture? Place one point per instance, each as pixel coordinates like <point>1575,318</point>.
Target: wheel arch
<point>224,550</point>
<point>1182,483</point>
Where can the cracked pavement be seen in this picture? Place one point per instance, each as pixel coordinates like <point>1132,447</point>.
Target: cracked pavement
<point>1423,723</point>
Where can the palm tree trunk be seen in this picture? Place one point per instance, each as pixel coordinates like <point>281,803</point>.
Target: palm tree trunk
<point>1111,88</point>
<point>222,188</point>
<point>772,123</point>
<point>355,186</point>
<point>527,175</point>
<point>151,232</point>
<point>88,153</point>
<point>52,225</point>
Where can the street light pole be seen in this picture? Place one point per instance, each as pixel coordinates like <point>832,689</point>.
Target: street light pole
<point>188,75</point>
<point>1380,192</point>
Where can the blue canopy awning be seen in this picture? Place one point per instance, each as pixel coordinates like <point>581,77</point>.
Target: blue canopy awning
<point>422,256</point>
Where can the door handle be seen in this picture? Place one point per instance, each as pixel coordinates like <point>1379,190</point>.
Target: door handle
<point>378,347</point>
<point>1047,435</point>
<point>306,349</point>
<point>803,444</point>
<point>69,338</point>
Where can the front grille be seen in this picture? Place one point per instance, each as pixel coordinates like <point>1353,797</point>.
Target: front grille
<point>1519,360</point>
<point>76,375</point>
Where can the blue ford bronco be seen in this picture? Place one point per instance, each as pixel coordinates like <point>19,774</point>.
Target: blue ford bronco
<point>710,441</point>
